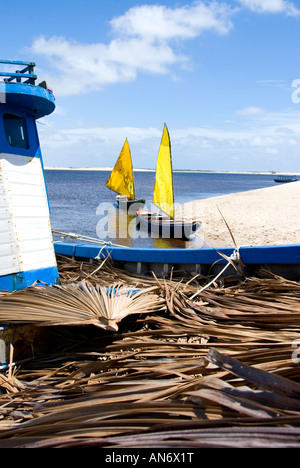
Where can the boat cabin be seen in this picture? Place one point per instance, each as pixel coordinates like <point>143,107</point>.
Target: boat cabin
<point>26,246</point>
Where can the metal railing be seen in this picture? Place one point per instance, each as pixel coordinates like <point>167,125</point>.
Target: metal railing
<point>25,75</point>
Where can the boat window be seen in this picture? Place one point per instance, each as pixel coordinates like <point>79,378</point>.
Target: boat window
<point>15,130</point>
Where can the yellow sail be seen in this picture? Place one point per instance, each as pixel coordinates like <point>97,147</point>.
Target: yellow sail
<point>121,178</point>
<point>163,195</point>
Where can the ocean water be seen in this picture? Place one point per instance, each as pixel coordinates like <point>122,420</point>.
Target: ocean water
<point>81,204</point>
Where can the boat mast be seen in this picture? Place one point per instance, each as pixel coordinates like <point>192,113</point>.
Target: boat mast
<point>133,184</point>
<point>171,171</point>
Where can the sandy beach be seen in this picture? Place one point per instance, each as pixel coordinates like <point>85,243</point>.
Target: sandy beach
<point>268,216</point>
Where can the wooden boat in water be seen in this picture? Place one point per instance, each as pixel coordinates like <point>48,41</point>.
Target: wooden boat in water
<point>285,178</point>
<point>121,181</point>
<point>159,225</point>
<point>165,225</point>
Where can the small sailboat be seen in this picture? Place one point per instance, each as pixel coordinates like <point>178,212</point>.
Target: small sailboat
<point>121,180</point>
<point>165,225</point>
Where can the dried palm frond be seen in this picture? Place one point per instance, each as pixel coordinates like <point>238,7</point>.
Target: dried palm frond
<point>104,272</point>
<point>221,370</point>
<point>78,304</point>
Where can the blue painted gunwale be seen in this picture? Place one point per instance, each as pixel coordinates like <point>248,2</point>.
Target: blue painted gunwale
<point>35,100</point>
<point>279,254</point>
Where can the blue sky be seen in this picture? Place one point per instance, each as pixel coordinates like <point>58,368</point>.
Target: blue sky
<point>223,75</point>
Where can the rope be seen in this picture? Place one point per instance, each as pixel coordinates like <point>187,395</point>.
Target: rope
<point>235,256</point>
<point>98,256</point>
<point>86,238</point>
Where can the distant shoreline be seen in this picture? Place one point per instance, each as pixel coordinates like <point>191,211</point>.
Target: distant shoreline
<point>108,169</point>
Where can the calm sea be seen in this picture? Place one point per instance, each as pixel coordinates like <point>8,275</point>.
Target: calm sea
<point>79,199</point>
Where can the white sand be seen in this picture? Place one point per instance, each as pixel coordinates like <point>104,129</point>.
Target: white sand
<point>269,216</point>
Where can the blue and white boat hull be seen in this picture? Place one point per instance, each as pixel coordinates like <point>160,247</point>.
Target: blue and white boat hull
<point>26,244</point>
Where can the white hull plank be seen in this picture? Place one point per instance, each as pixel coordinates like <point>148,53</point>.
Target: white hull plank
<point>25,231</point>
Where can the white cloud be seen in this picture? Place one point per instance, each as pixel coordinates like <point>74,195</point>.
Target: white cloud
<point>145,41</point>
<point>250,111</point>
<point>158,22</point>
<point>272,83</point>
<point>142,43</point>
<point>271,6</point>
<point>84,67</point>
<point>245,146</point>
